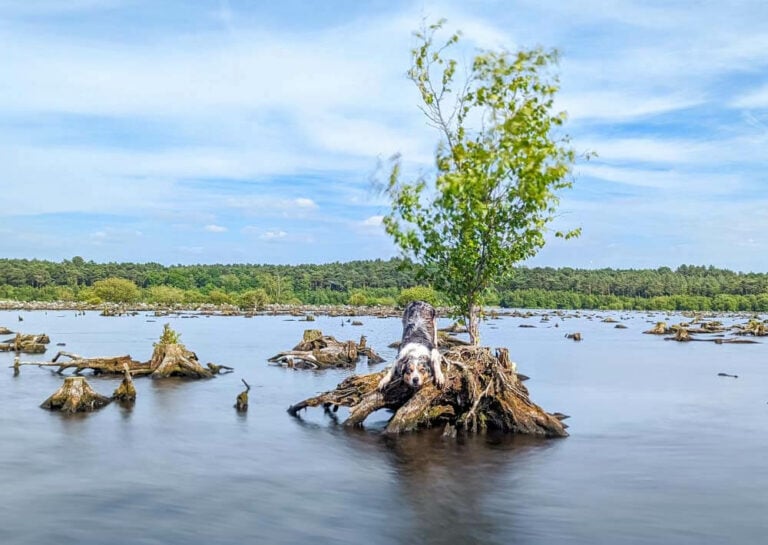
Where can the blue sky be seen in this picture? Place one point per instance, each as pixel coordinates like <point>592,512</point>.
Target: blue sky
<point>231,131</point>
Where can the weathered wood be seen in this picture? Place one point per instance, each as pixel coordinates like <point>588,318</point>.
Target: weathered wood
<point>174,360</point>
<point>126,391</point>
<point>482,391</point>
<point>75,395</point>
<point>318,351</point>
<point>241,403</point>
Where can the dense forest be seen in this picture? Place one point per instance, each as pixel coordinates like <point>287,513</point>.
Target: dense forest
<point>376,282</point>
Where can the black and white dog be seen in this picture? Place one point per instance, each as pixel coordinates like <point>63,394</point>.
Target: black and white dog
<point>418,356</point>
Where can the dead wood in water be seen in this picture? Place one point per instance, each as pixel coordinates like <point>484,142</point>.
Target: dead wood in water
<point>170,358</point>
<point>659,329</point>
<point>241,403</point>
<point>174,360</point>
<point>318,351</point>
<point>26,344</point>
<point>75,395</point>
<point>482,391</point>
<point>126,391</point>
<point>108,365</point>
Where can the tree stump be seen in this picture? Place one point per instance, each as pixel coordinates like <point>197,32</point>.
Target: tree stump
<point>318,351</point>
<point>126,391</point>
<point>174,360</point>
<point>75,395</point>
<point>241,403</point>
<point>482,391</point>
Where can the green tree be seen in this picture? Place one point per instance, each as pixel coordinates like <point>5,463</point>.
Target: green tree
<point>255,299</point>
<point>116,290</point>
<point>499,165</point>
<point>418,293</point>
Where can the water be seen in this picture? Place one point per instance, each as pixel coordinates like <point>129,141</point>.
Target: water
<point>662,450</point>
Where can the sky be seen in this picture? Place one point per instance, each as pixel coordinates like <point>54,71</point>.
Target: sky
<point>237,131</point>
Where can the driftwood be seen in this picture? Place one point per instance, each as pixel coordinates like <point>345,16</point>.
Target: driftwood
<point>169,358</point>
<point>108,365</point>
<point>318,351</point>
<point>27,344</point>
<point>75,395</point>
<point>482,391</point>
<point>241,403</point>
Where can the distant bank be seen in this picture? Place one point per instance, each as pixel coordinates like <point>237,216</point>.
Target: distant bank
<point>372,284</point>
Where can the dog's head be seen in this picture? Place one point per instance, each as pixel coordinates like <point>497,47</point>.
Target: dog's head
<point>413,363</point>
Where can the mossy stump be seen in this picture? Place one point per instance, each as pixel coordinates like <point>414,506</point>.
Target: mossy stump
<point>482,391</point>
<point>126,391</point>
<point>241,403</point>
<point>318,351</point>
<point>75,396</point>
<point>174,360</point>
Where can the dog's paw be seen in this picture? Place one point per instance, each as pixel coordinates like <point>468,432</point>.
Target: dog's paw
<point>439,379</point>
<point>383,383</point>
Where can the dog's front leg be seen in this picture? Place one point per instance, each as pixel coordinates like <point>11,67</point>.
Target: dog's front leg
<point>386,379</point>
<point>437,373</point>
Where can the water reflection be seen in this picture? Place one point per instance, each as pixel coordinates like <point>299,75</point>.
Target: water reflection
<point>443,483</point>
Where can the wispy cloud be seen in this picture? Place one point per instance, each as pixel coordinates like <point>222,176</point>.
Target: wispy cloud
<point>264,129</point>
<point>212,228</point>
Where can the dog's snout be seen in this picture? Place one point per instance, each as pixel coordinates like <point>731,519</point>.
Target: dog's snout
<point>416,380</point>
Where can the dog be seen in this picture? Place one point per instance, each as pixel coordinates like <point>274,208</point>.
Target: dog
<point>418,356</point>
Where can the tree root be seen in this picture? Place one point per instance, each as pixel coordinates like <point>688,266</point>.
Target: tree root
<point>482,392</point>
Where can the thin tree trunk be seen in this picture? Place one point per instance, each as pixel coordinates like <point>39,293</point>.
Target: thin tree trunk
<point>473,324</point>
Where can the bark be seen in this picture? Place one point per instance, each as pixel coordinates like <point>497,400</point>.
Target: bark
<point>174,360</point>
<point>75,395</point>
<point>126,391</point>
<point>482,391</point>
<point>318,351</point>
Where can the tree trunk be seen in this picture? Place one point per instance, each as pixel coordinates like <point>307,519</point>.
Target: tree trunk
<point>473,324</point>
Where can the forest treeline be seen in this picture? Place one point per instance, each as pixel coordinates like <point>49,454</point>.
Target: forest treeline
<point>377,282</point>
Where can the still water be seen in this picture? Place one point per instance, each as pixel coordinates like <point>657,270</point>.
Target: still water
<point>662,450</point>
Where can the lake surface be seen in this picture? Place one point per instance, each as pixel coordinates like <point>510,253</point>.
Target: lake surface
<point>662,450</point>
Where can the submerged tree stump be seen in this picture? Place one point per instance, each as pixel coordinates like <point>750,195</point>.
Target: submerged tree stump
<point>318,351</point>
<point>27,344</point>
<point>241,403</point>
<point>74,396</point>
<point>482,391</point>
<point>659,329</point>
<point>126,391</point>
<point>174,360</point>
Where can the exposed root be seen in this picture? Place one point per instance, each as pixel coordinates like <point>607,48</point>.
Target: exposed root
<point>318,351</point>
<point>482,391</point>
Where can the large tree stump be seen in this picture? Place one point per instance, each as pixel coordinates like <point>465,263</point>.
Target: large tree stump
<point>482,391</point>
<point>75,395</point>
<point>318,351</point>
<point>174,360</point>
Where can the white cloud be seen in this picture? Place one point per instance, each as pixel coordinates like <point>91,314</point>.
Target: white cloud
<point>303,202</point>
<point>274,234</point>
<point>373,221</point>
<point>212,228</point>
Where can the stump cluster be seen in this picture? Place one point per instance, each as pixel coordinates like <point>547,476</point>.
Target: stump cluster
<point>318,351</point>
<point>482,391</point>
